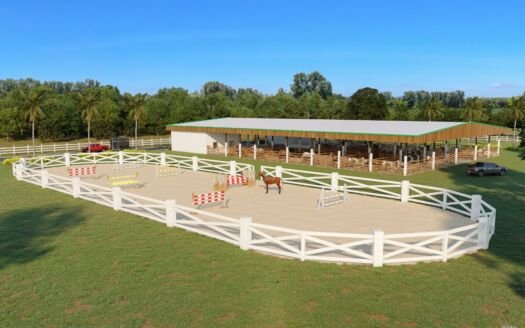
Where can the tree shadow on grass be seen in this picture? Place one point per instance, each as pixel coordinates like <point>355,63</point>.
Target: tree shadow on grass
<point>28,234</point>
<point>507,195</point>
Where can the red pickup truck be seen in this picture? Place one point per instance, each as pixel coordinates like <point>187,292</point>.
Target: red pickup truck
<point>95,148</point>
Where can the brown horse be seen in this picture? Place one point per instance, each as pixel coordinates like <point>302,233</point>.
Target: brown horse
<point>270,180</point>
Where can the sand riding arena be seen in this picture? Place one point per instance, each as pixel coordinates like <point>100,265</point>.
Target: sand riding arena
<point>318,216</point>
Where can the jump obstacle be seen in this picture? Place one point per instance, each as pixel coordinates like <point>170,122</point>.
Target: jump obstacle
<point>82,171</point>
<point>329,198</point>
<point>236,180</point>
<point>164,171</point>
<point>128,165</point>
<point>209,198</point>
<point>124,180</point>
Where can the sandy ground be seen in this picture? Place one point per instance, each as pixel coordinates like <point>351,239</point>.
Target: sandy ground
<point>294,208</point>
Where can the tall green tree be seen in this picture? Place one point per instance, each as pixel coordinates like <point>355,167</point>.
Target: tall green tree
<point>135,103</point>
<point>473,109</point>
<point>307,84</point>
<point>367,104</point>
<point>88,102</point>
<point>432,109</point>
<point>31,102</point>
<point>517,112</point>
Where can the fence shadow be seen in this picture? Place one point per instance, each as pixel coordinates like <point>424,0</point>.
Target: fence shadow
<point>26,235</point>
<point>507,195</point>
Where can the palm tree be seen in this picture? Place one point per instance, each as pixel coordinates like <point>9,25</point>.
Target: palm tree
<point>31,103</point>
<point>473,108</point>
<point>88,102</point>
<point>135,105</point>
<point>432,109</point>
<point>517,112</point>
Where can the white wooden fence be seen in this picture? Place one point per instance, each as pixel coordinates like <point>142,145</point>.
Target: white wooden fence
<point>377,248</point>
<point>77,146</point>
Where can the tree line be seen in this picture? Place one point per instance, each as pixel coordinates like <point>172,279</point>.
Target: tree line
<point>54,110</point>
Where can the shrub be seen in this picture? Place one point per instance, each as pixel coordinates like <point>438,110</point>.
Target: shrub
<point>10,161</point>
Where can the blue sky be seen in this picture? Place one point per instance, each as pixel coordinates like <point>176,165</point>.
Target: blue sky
<point>140,46</point>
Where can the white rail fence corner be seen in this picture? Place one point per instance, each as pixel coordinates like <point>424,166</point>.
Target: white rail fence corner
<point>375,249</point>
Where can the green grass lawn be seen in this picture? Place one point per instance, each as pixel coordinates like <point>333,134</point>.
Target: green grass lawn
<point>66,262</point>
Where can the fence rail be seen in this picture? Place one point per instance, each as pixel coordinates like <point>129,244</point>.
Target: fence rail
<point>77,146</point>
<point>376,249</point>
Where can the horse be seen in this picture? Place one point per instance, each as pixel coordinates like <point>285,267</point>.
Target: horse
<point>270,180</point>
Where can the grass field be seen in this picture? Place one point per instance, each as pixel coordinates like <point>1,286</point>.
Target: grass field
<point>66,262</point>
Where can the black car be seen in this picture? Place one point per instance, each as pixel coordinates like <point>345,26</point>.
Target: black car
<point>480,169</point>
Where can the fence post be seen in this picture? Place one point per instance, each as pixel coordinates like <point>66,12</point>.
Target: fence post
<point>233,167</point>
<point>117,198</point>
<point>425,152</point>
<point>445,200</point>
<point>287,154</point>
<point>44,178</point>
<point>444,246</point>
<point>334,181</point>
<point>433,160</point>
<point>18,171</point>
<point>41,162</point>
<point>240,150</point>
<point>163,159</point>
<point>120,157</point>
<point>488,150</point>
<point>303,247</point>
<point>254,151</point>
<point>67,159</point>
<point>338,159</point>
<point>499,146</point>
<point>370,161</point>
<point>279,172</point>
<point>455,156</point>
<point>405,191</point>
<point>476,152</point>
<point>405,166</point>
<point>245,234</point>
<point>76,186</point>
<point>475,207</point>
<point>171,213</point>
<point>483,232</point>
<point>194,163</point>
<point>311,157</point>
<point>377,248</point>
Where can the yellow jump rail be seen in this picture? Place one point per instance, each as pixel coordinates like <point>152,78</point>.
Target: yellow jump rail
<point>124,180</point>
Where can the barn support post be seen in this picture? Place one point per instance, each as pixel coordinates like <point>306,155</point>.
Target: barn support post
<point>311,157</point>
<point>400,155</point>
<point>395,148</point>
<point>377,248</point>
<point>254,151</point>
<point>499,147</point>
<point>370,161</point>
<point>405,191</point>
<point>456,156</point>
<point>476,152</point>
<point>171,213</point>
<point>319,147</point>
<point>240,150</point>
<point>433,160</point>
<point>245,233</point>
<point>338,159</point>
<point>446,148</point>
<point>425,152</point>
<point>488,150</point>
<point>405,166</point>
<point>287,153</point>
